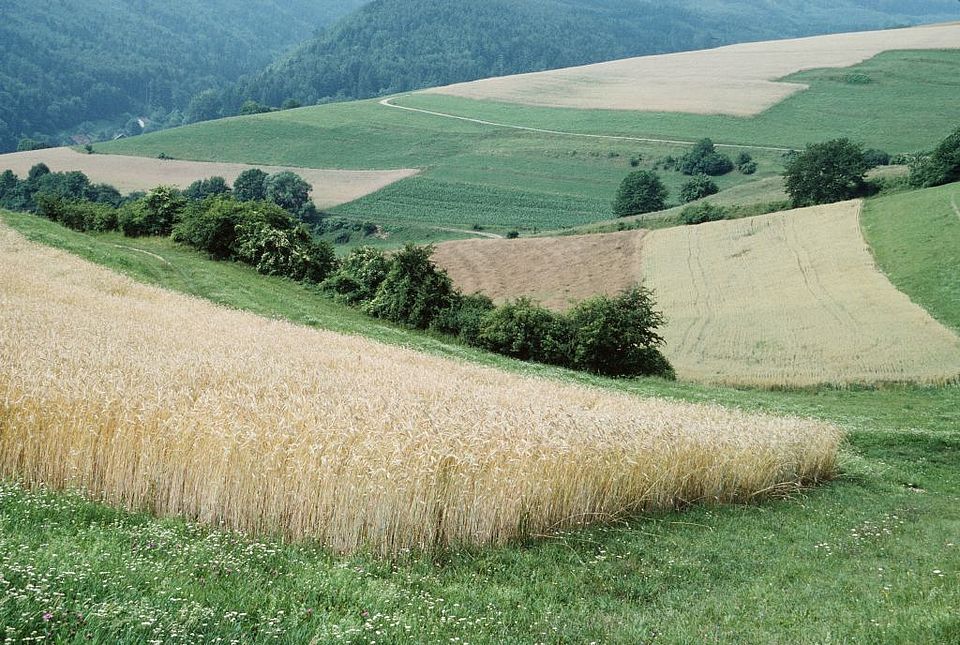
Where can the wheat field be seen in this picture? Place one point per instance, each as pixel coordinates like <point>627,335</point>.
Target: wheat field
<point>330,187</point>
<point>788,299</point>
<point>737,80</point>
<point>153,400</point>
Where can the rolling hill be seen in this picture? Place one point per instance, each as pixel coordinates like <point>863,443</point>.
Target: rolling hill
<point>391,46</point>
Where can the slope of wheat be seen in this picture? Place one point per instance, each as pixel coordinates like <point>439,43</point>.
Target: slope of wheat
<point>159,401</point>
<point>739,80</point>
<point>330,187</point>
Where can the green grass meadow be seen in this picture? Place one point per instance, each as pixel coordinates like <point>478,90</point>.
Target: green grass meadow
<point>873,557</point>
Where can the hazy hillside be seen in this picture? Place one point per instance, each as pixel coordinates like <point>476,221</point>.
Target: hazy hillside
<point>397,45</point>
<point>63,62</point>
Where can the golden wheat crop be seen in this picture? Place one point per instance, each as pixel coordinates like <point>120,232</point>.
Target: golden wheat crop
<point>738,80</point>
<point>154,400</point>
<point>791,299</point>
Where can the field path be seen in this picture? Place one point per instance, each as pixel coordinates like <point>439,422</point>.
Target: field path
<point>489,236</point>
<point>953,202</point>
<point>388,102</point>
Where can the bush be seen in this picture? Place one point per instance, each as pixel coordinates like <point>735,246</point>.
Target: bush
<point>359,276</point>
<point>641,191</point>
<point>703,159</point>
<point>251,186</point>
<point>155,214</point>
<point>826,172</point>
<point>941,167</point>
<point>874,157</point>
<point>270,240</point>
<point>697,188</point>
<point>617,336</point>
<point>465,318</point>
<point>512,235</point>
<point>211,226</point>
<point>414,291</point>
<point>748,168</point>
<point>203,188</point>
<point>288,191</point>
<point>703,212</point>
<point>77,215</point>
<point>523,329</point>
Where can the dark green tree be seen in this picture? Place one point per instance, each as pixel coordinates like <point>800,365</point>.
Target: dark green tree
<point>288,190</point>
<point>641,191</point>
<point>203,188</point>
<point>697,188</point>
<point>618,336</point>
<point>525,330</point>
<point>414,291</point>
<point>703,159</point>
<point>826,172</point>
<point>251,186</point>
<point>941,167</point>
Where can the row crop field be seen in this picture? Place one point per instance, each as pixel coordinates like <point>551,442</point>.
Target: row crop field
<point>156,401</point>
<point>787,299</point>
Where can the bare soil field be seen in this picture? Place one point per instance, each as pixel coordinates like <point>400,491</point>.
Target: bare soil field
<point>739,80</point>
<point>787,299</point>
<point>154,400</point>
<point>556,271</point>
<point>330,187</point>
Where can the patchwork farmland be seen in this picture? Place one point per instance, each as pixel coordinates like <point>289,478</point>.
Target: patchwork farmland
<point>727,289</point>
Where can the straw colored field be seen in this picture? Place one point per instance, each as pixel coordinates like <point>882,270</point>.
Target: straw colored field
<point>789,299</point>
<point>159,401</point>
<point>330,187</point>
<point>558,272</point>
<point>738,80</point>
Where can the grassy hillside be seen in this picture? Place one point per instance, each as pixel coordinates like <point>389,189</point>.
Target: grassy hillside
<point>886,532</point>
<point>506,179</point>
<point>915,238</point>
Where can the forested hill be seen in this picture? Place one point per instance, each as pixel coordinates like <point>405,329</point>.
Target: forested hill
<point>397,45</point>
<point>63,62</point>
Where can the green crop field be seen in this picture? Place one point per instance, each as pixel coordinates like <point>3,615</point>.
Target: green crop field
<point>873,557</point>
<point>511,179</point>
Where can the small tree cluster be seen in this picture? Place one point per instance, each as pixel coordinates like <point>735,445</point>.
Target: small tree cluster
<point>697,188</point>
<point>24,194</point>
<point>745,164</point>
<point>826,172</point>
<point>642,191</point>
<point>703,159</point>
<point>702,212</point>
<point>942,166</point>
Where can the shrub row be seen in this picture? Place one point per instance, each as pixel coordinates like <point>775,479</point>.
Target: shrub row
<point>614,336</point>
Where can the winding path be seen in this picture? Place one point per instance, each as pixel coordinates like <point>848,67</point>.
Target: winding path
<point>388,102</point>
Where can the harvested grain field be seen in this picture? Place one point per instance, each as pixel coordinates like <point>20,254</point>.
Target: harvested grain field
<point>739,80</point>
<point>330,187</point>
<point>156,400</point>
<point>788,299</point>
<point>556,271</point>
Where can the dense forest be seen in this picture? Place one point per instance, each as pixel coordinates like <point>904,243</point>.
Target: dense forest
<point>397,45</point>
<point>69,67</point>
<point>72,70</point>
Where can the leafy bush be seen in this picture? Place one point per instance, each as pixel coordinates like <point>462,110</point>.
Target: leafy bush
<point>251,186</point>
<point>512,235</point>
<point>155,214</point>
<point>703,212</point>
<point>874,157</point>
<point>270,240</point>
<point>523,329</point>
<point>617,336</point>
<point>414,291</point>
<point>697,188</point>
<point>78,215</point>
<point>203,188</point>
<point>703,159</point>
<point>465,318</point>
<point>641,191</point>
<point>359,276</point>
<point>941,167</point>
<point>288,191</point>
<point>826,172</point>
<point>211,226</point>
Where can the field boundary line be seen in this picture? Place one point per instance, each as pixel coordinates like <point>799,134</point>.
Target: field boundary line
<point>489,236</point>
<point>388,102</point>
<point>153,255</point>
